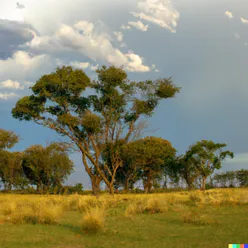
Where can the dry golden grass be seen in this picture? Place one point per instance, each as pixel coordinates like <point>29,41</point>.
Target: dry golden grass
<point>48,209</point>
<point>93,220</point>
<point>191,217</point>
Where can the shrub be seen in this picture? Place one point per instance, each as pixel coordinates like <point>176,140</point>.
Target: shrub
<point>156,205</point>
<point>196,197</point>
<point>8,208</point>
<point>93,220</point>
<point>134,208</point>
<point>196,218</point>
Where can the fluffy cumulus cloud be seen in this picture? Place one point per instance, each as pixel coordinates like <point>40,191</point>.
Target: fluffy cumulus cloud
<point>18,71</point>
<point>21,65</point>
<point>229,14</point>
<point>9,84</point>
<point>80,65</point>
<point>139,25</point>
<point>244,20</point>
<point>7,96</point>
<point>119,36</point>
<point>125,27</point>
<point>158,12</point>
<point>83,38</point>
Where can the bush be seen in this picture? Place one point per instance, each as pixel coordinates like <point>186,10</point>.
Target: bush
<point>196,218</point>
<point>196,197</point>
<point>93,220</point>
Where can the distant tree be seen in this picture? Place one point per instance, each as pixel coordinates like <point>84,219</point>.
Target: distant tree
<point>242,177</point>
<point>149,155</point>
<point>113,112</point>
<point>183,167</point>
<point>11,173</point>
<point>7,139</point>
<point>207,157</point>
<point>46,167</point>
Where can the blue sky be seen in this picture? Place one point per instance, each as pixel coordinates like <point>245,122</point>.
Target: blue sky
<point>202,44</point>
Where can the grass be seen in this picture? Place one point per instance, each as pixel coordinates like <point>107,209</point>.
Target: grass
<point>157,220</point>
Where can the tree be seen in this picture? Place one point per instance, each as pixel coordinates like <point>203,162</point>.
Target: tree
<point>207,157</point>
<point>11,173</point>
<point>112,113</point>
<point>149,154</point>
<point>7,139</point>
<point>183,167</point>
<point>242,176</point>
<point>47,167</point>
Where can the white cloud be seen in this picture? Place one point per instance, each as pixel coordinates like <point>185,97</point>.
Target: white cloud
<point>135,63</point>
<point>83,38</point>
<point>139,25</point>
<point>159,12</point>
<point>23,68</point>
<point>243,20</point>
<point>21,64</point>
<point>119,36</point>
<point>6,96</point>
<point>80,65</point>
<point>9,84</point>
<point>125,27</point>
<point>94,67</point>
<point>229,14</point>
<point>246,43</point>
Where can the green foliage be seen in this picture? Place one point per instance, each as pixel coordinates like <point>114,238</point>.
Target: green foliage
<point>47,167</point>
<point>149,155</point>
<point>7,139</point>
<point>207,157</point>
<point>107,116</point>
<point>242,176</point>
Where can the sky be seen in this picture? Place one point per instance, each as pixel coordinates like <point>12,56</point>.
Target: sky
<point>201,44</point>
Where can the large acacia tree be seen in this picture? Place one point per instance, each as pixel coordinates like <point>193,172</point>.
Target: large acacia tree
<point>93,113</point>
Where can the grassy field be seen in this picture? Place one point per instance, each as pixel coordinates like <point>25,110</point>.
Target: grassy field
<point>181,220</point>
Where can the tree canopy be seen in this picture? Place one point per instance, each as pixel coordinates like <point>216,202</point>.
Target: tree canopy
<point>93,113</point>
<point>46,167</point>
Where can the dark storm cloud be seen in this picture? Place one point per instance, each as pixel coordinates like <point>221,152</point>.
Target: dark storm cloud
<point>12,35</point>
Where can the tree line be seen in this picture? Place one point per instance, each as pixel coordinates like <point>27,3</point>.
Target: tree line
<point>105,119</point>
<point>44,167</point>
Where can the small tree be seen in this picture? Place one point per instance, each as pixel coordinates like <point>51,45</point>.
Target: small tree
<point>242,176</point>
<point>208,156</point>
<point>149,155</point>
<point>46,167</point>
<point>10,162</point>
<point>183,167</point>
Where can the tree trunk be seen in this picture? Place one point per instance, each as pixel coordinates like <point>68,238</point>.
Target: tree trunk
<point>148,183</point>
<point>95,183</point>
<point>126,185</point>
<point>204,179</point>
<point>111,189</point>
<point>9,187</point>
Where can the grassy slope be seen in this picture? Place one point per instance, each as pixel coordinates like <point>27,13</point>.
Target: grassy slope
<point>145,230</point>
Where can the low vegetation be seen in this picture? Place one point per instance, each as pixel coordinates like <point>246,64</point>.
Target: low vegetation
<point>105,216</point>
